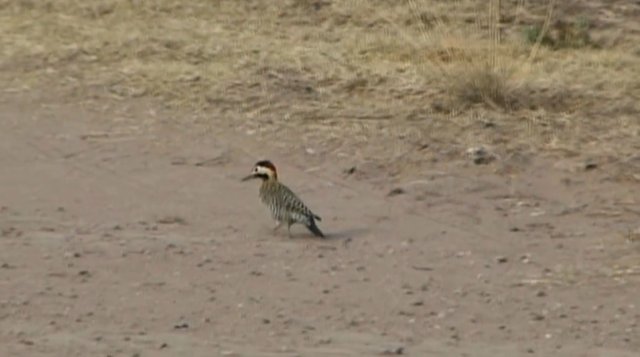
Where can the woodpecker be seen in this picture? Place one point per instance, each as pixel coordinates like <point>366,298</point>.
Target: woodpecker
<point>284,205</point>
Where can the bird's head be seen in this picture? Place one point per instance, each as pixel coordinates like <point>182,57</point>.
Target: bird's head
<point>264,170</point>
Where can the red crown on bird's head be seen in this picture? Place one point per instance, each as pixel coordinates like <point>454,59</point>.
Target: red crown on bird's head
<point>266,164</point>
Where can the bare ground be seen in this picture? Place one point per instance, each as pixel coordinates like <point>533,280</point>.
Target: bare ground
<point>120,238</point>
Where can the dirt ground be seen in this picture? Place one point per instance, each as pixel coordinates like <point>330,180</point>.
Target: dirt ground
<point>126,126</point>
<point>120,239</point>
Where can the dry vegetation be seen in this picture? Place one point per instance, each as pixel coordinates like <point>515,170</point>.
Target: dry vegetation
<point>400,79</point>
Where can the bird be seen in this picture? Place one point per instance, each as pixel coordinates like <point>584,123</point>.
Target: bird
<point>284,205</point>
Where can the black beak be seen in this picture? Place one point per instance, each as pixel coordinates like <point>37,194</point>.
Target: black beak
<point>252,176</point>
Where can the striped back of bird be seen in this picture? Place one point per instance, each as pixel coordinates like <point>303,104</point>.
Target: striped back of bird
<point>283,203</point>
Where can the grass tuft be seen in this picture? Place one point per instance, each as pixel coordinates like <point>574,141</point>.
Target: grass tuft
<point>482,84</point>
<point>573,34</point>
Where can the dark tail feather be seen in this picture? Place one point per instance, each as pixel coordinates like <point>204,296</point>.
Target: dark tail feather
<point>314,229</point>
<point>317,217</point>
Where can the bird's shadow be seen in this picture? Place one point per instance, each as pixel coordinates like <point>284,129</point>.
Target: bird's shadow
<point>348,234</point>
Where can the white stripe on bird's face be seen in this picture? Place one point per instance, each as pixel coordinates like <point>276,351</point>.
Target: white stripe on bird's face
<point>263,170</point>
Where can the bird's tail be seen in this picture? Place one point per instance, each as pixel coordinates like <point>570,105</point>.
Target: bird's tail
<point>314,228</point>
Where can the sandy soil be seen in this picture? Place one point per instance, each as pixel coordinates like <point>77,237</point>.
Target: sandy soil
<point>126,234</point>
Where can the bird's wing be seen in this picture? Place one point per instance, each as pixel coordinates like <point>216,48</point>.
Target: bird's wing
<point>293,203</point>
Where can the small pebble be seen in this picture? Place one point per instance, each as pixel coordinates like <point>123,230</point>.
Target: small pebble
<point>181,326</point>
<point>537,317</point>
<point>396,191</point>
<point>393,351</point>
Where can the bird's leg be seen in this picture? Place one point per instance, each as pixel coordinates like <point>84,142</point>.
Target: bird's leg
<point>278,225</point>
<point>289,229</point>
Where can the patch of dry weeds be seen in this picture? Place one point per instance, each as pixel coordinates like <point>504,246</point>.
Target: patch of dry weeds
<point>406,80</point>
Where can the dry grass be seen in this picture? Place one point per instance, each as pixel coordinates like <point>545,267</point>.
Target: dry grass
<point>402,73</point>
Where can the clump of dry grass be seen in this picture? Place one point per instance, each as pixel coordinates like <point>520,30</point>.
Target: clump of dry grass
<point>482,84</point>
<point>462,62</point>
<point>477,67</point>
